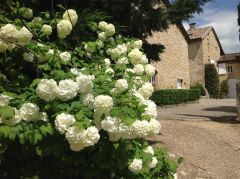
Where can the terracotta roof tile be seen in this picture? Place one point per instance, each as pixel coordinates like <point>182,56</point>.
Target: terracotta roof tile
<point>199,33</point>
<point>232,57</point>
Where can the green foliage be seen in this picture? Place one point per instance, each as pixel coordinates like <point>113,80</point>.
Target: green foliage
<point>200,87</point>
<point>224,88</point>
<point>175,96</point>
<point>212,80</point>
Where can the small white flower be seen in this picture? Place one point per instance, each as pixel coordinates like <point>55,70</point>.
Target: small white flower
<point>3,46</point>
<point>107,62</point>
<point>121,85</point>
<point>75,71</point>
<point>137,44</point>
<point>155,126</point>
<point>88,100</point>
<point>71,16</point>
<point>150,70</point>
<point>153,163</point>
<point>110,124</point>
<point>136,165</point>
<point>65,56</point>
<point>123,60</point>
<point>102,36</point>
<point>24,36</point>
<point>67,89</point>
<point>85,83</point>
<point>103,103</point>
<point>47,29</point>
<point>27,57</point>
<point>91,136</point>
<point>47,89</point>
<point>141,128</point>
<point>146,90</point>
<point>110,30</point>
<point>149,150</point>
<point>102,25</point>
<point>135,56</point>
<point>63,121</point>
<point>144,59</point>
<point>27,13</point>
<point>109,71</point>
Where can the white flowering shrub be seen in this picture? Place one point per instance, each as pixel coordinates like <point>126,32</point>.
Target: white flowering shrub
<point>72,108</point>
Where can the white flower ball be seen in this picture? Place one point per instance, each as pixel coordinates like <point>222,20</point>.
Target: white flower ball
<point>47,29</point>
<point>37,19</point>
<point>102,25</point>
<point>138,80</point>
<point>75,138</point>
<point>110,124</point>
<point>136,165</point>
<point>3,46</point>
<point>27,57</point>
<point>24,36</point>
<point>153,163</point>
<point>63,121</point>
<point>4,100</point>
<point>146,90</point>
<point>150,70</point>
<point>71,16</point>
<point>114,137</point>
<point>151,109</point>
<point>27,13</point>
<point>9,32</point>
<point>64,28</point>
<point>103,103</point>
<point>144,59</point>
<point>13,120</point>
<point>107,62</point>
<point>109,71</point>
<point>85,83</point>
<point>155,126</point>
<point>65,56</point>
<point>137,44</point>
<point>110,30</point>
<point>67,89</point>
<point>29,112</point>
<point>135,56</point>
<point>149,150</point>
<point>88,100</point>
<point>43,116</point>
<point>47,89</point>
<point>102,36</point>
<point>141,128</point>
<point>121,85</point>
<point>90,136</point>
<point>138,69</point>
<point>122,60</point>
<point>75,71</point>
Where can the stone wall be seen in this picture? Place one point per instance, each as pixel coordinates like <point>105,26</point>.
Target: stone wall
<point>201,52</point>
<point>174,63</point>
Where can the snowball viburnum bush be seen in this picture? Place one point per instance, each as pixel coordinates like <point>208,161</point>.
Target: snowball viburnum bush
<point>67,97</point>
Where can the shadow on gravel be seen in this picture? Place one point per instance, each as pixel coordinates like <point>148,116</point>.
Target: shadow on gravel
<point>231,109</point>
<point>220,119</point>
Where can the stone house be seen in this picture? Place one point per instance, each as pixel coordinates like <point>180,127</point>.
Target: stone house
<point>172,68</point>
<point>229,69</point>
<point>204,47</point>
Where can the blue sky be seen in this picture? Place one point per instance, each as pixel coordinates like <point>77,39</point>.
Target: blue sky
<point>222,15</point>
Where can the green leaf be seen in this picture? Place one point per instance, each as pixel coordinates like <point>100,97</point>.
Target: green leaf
<point>7,112</point>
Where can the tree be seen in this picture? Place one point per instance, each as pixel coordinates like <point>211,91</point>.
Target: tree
<point>212,80</point>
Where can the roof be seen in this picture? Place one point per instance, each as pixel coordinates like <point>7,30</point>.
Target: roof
<point>201,33</point>
<point>232,57</point>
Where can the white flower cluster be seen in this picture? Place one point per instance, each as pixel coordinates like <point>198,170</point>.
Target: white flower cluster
<point>151,109</point>
<point>65,56</point>
<point>136,165</point>
<point>85,83</point>
<point>10,36</point>
<point>79,139</point>
<point>46,29</point>
<point>67,89</point>
<point>146,90</point>
<point>118,51</point>
<point>88,100</point>
<point>108,30</point>
<point>71,16</point>
<point>4,100</point>
<point>64,28</point>
<point>64,121</point>
<point>28,57</point>
<point>27,13</point>
<point>103,104</point>
<point>139,129</point>
<point>28,112</point>
<point>121,85</point>
<point>47,89</point>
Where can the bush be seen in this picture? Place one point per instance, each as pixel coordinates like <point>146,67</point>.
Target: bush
<point>71,104</point>
<point>175,96</point>
<point>224,89</point>
<point>212,80</point>
<point>200,87</point>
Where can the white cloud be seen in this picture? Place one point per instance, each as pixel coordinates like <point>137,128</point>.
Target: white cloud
<point>225,25</point>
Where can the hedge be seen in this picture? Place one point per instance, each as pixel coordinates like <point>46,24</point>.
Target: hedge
<point>175,96</point>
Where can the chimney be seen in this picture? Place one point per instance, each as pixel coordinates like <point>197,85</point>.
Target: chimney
<point>192,26</point>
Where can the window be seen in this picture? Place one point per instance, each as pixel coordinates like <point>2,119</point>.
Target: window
<point>179,84</point>
<point>229,69</point>
<point>154,79</point>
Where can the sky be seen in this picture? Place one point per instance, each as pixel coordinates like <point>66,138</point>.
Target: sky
<point>222,15</point>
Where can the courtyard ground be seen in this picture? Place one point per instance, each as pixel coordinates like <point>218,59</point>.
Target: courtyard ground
<point>206,135</point>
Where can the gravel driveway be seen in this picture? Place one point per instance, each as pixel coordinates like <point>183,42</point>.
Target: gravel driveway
<point>206,135</point>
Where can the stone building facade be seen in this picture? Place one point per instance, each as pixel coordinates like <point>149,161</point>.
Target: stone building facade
<point>172,69</point>
<point>204,48</point>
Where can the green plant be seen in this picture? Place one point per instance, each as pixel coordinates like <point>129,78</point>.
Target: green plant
<point>71,103</point>
<point>224,89</point>
<point>200,87</point>
<point>212,80</point>
<point>175,96</point>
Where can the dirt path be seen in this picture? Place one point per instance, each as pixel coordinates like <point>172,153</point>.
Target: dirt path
<point>206,137</point>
